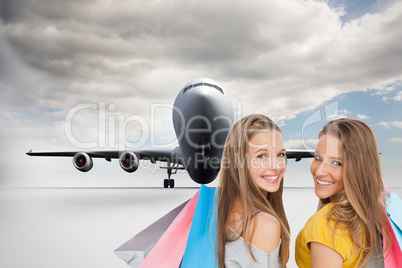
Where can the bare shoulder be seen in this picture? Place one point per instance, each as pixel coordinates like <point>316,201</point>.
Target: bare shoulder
<point>267,232</point>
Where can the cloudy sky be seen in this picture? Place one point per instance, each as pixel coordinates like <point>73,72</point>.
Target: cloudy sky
<point>299,62</point>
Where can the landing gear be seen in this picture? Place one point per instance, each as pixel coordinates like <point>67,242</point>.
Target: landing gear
<point>170,182</point>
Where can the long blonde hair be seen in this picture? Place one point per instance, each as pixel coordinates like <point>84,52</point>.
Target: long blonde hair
<point>359,205</point>
<point>236,184</point>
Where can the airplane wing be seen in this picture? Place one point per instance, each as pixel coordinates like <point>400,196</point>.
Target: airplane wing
<point>128,159</point>
<point>153,155</point>
<point>299,154</point>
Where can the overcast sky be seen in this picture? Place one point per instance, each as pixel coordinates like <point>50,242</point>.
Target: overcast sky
<point>299,62</point>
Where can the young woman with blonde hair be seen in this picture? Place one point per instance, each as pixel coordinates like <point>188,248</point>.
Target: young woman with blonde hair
<point>348,228</point>
<point>253,230</point>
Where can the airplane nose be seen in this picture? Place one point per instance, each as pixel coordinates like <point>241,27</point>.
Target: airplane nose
<point>207,96</point>
<point>203,98</point>
<point>202,105</point>
<point>213,101</point>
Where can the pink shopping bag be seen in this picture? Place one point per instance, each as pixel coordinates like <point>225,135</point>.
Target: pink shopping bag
<point>394,259</point>
<point>169,250</point>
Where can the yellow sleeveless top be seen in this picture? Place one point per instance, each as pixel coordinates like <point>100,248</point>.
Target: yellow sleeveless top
<point>321,229</point>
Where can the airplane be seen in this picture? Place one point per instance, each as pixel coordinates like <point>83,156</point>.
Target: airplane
<point>202,117</point>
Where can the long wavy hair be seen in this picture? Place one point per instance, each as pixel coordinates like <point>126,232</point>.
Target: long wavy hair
<point>237,184</point>
<point>359,205</point>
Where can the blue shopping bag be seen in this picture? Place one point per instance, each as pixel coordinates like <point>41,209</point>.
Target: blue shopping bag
<point>202,242</point>
<point>394,212</point>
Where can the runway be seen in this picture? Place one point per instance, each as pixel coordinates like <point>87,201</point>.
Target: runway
<point>81,227</point>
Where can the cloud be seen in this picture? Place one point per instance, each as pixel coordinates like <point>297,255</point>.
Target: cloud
<point>386,89</point>
<point>288,56</point>
<point>338,114</point>
<point>398,96</point>
<point>308,144</point>
<point>395,140</point>
<point>362,116</point>
<point>397,124</point>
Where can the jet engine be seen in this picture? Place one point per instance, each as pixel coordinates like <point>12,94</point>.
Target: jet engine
<point>82,162</point>
<point>129,161</point>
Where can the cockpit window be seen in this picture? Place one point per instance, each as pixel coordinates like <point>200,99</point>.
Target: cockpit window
<point>187,88</point>
<point>202,84</point>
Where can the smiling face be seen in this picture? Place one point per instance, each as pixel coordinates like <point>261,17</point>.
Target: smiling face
<point>266,160</point>
<point>326,168</point>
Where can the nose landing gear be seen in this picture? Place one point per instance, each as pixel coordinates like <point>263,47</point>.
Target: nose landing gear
<point>168,183</point>
<point>171,169</point>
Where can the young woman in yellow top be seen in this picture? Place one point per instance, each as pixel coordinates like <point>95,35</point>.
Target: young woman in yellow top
<point>347,230</point>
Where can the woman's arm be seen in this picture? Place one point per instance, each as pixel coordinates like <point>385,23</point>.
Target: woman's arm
<point>323,256</point>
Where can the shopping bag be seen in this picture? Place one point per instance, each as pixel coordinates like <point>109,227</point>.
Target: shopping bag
<point>169,250</point>
<point>394,212</point>
<point>134,251</point>
<point>394,258</point>
<point>202,242</point>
